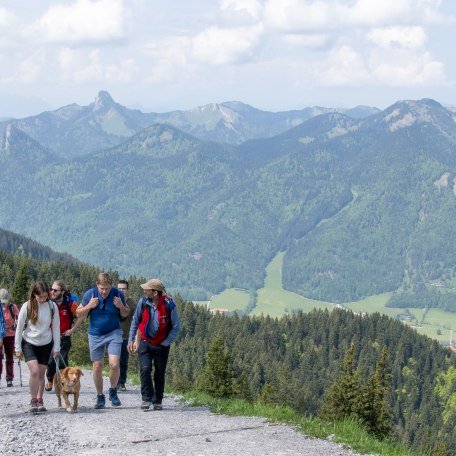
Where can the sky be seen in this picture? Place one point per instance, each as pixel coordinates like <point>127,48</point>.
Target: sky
<point>276,55</point>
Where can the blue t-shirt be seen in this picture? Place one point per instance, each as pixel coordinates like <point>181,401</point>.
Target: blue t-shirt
<point>105,318</point>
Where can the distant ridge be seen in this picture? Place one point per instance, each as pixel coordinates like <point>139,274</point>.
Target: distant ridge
<point>11,242</point>
<point>358,206</point>
<point>75,130</point>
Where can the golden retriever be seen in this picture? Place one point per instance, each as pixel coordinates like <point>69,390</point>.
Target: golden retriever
<point>68,382</point>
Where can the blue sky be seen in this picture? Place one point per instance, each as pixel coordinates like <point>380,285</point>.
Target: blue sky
<point>275,55</point>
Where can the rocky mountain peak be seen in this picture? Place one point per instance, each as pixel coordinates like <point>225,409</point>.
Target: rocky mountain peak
<point>103,101</point>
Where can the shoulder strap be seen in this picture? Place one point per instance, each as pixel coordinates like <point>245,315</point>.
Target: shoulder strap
<point>142,308</point>
<point>27,317</point>
<point>52,309</point>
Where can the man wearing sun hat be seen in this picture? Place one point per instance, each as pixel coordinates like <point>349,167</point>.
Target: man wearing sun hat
<point>154,327</point>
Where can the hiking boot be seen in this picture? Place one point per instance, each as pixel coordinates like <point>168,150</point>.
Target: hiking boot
<point>158,407</point>
<point>48,386</point>
<point>100,404</point>
<point>34,406</point>
<point>9,383</point>
<point>115,401</point>
<point>41,407</point>
<point>121,387</point>
<point>145,405</point>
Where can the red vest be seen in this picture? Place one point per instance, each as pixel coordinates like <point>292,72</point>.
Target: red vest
<point>65,314</point>
<point>164,322</point>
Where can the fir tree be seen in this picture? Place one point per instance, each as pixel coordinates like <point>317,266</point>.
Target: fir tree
<point>342,398</point>
<point>374,411</point>
<point>241,388</point>
<point>217,376</point>
<point>19,291</point>
<point>267,395</point>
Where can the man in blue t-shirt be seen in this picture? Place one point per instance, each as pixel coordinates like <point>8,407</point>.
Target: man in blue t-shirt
<point>104,305</point>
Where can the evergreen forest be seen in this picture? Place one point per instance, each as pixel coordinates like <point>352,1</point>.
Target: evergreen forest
<point>399,384</point>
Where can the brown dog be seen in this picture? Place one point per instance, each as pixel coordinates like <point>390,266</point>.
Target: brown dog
<point>68,382</point>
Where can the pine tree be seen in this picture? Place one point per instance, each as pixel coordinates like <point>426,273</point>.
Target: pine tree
<point>374,411</point>
<point>267,395</point>
<point>217,377</point>
<point>19,291</point>
<point>342,397</point>
<point>241,388</point>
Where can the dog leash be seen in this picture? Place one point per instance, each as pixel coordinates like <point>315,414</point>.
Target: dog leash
<point>57,370</point>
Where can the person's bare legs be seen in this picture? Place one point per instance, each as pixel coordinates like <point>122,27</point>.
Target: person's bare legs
<point>114,370</point>
<point>34,380</point>
<point>98,375</point>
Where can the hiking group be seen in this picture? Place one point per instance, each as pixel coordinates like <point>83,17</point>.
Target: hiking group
<point>40,333</point>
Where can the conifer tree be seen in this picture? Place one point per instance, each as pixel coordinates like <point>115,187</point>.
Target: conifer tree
<point>267,395</point>
<point>20,288</point>
<point>217,376</point>
<point>342,397</point>
<point>241,388</point>
<point>374,411</point>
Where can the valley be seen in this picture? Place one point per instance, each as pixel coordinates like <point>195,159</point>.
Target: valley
<point>274,301</point>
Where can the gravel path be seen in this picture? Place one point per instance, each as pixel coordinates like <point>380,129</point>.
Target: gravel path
<point>177,430</point>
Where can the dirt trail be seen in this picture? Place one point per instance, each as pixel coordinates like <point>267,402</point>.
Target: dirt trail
<point>177,430</point>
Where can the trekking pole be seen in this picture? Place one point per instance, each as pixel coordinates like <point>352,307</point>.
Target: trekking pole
<point>20,370</point>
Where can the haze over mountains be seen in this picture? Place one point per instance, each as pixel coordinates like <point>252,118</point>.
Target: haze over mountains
<point>77,130</point>
<point>205,198</point>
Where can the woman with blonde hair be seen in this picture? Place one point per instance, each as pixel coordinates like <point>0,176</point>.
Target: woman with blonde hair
<point>37,336</point>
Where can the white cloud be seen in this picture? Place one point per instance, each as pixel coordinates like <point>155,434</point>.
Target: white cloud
<point>91,72</point>
<point>306,41</point>
<point>415,71</point>
<point>5,17</point>
<point>169,59</point>
<point>83,21</point>
<point>124,72</point>
<point>345,66</point>
<point>78,66</point>
<point>250,8</point>
<point>225,46</point>
<point>398,37</point>
<point>296,15</point>
<point>31,67</point>
<point>301,15</point>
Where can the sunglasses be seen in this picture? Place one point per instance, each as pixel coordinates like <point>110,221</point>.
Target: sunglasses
<point>54,290</point>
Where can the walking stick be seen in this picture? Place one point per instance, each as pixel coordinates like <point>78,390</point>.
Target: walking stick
<point>20,370</point>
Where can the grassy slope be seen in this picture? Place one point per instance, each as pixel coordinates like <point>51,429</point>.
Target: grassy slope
<point>273,300</point>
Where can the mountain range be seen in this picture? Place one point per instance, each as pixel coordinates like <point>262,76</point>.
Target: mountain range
<point>75,130</point>
<point>360,204</point>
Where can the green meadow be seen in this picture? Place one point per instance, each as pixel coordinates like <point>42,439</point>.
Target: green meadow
<point>273,300</point>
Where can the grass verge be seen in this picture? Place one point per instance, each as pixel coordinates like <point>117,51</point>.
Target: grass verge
<point>347,432</point>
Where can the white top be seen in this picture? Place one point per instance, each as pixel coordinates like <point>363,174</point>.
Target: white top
<point>41,333</point>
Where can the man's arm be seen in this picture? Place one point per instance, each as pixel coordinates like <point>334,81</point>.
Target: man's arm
<point>121,304</point>
<point>83,310</point>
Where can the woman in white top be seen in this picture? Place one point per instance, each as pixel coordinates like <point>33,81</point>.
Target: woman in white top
<point>37,337</point>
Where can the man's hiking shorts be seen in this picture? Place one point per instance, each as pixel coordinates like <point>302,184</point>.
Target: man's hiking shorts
<point>97,344</point>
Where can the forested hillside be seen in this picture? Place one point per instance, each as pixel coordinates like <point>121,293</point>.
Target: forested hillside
<point>293,360</point>
<point>360,207</point>
<point>15,243</point>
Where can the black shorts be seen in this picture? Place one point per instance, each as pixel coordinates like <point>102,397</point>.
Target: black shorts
<point>41,353</point>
